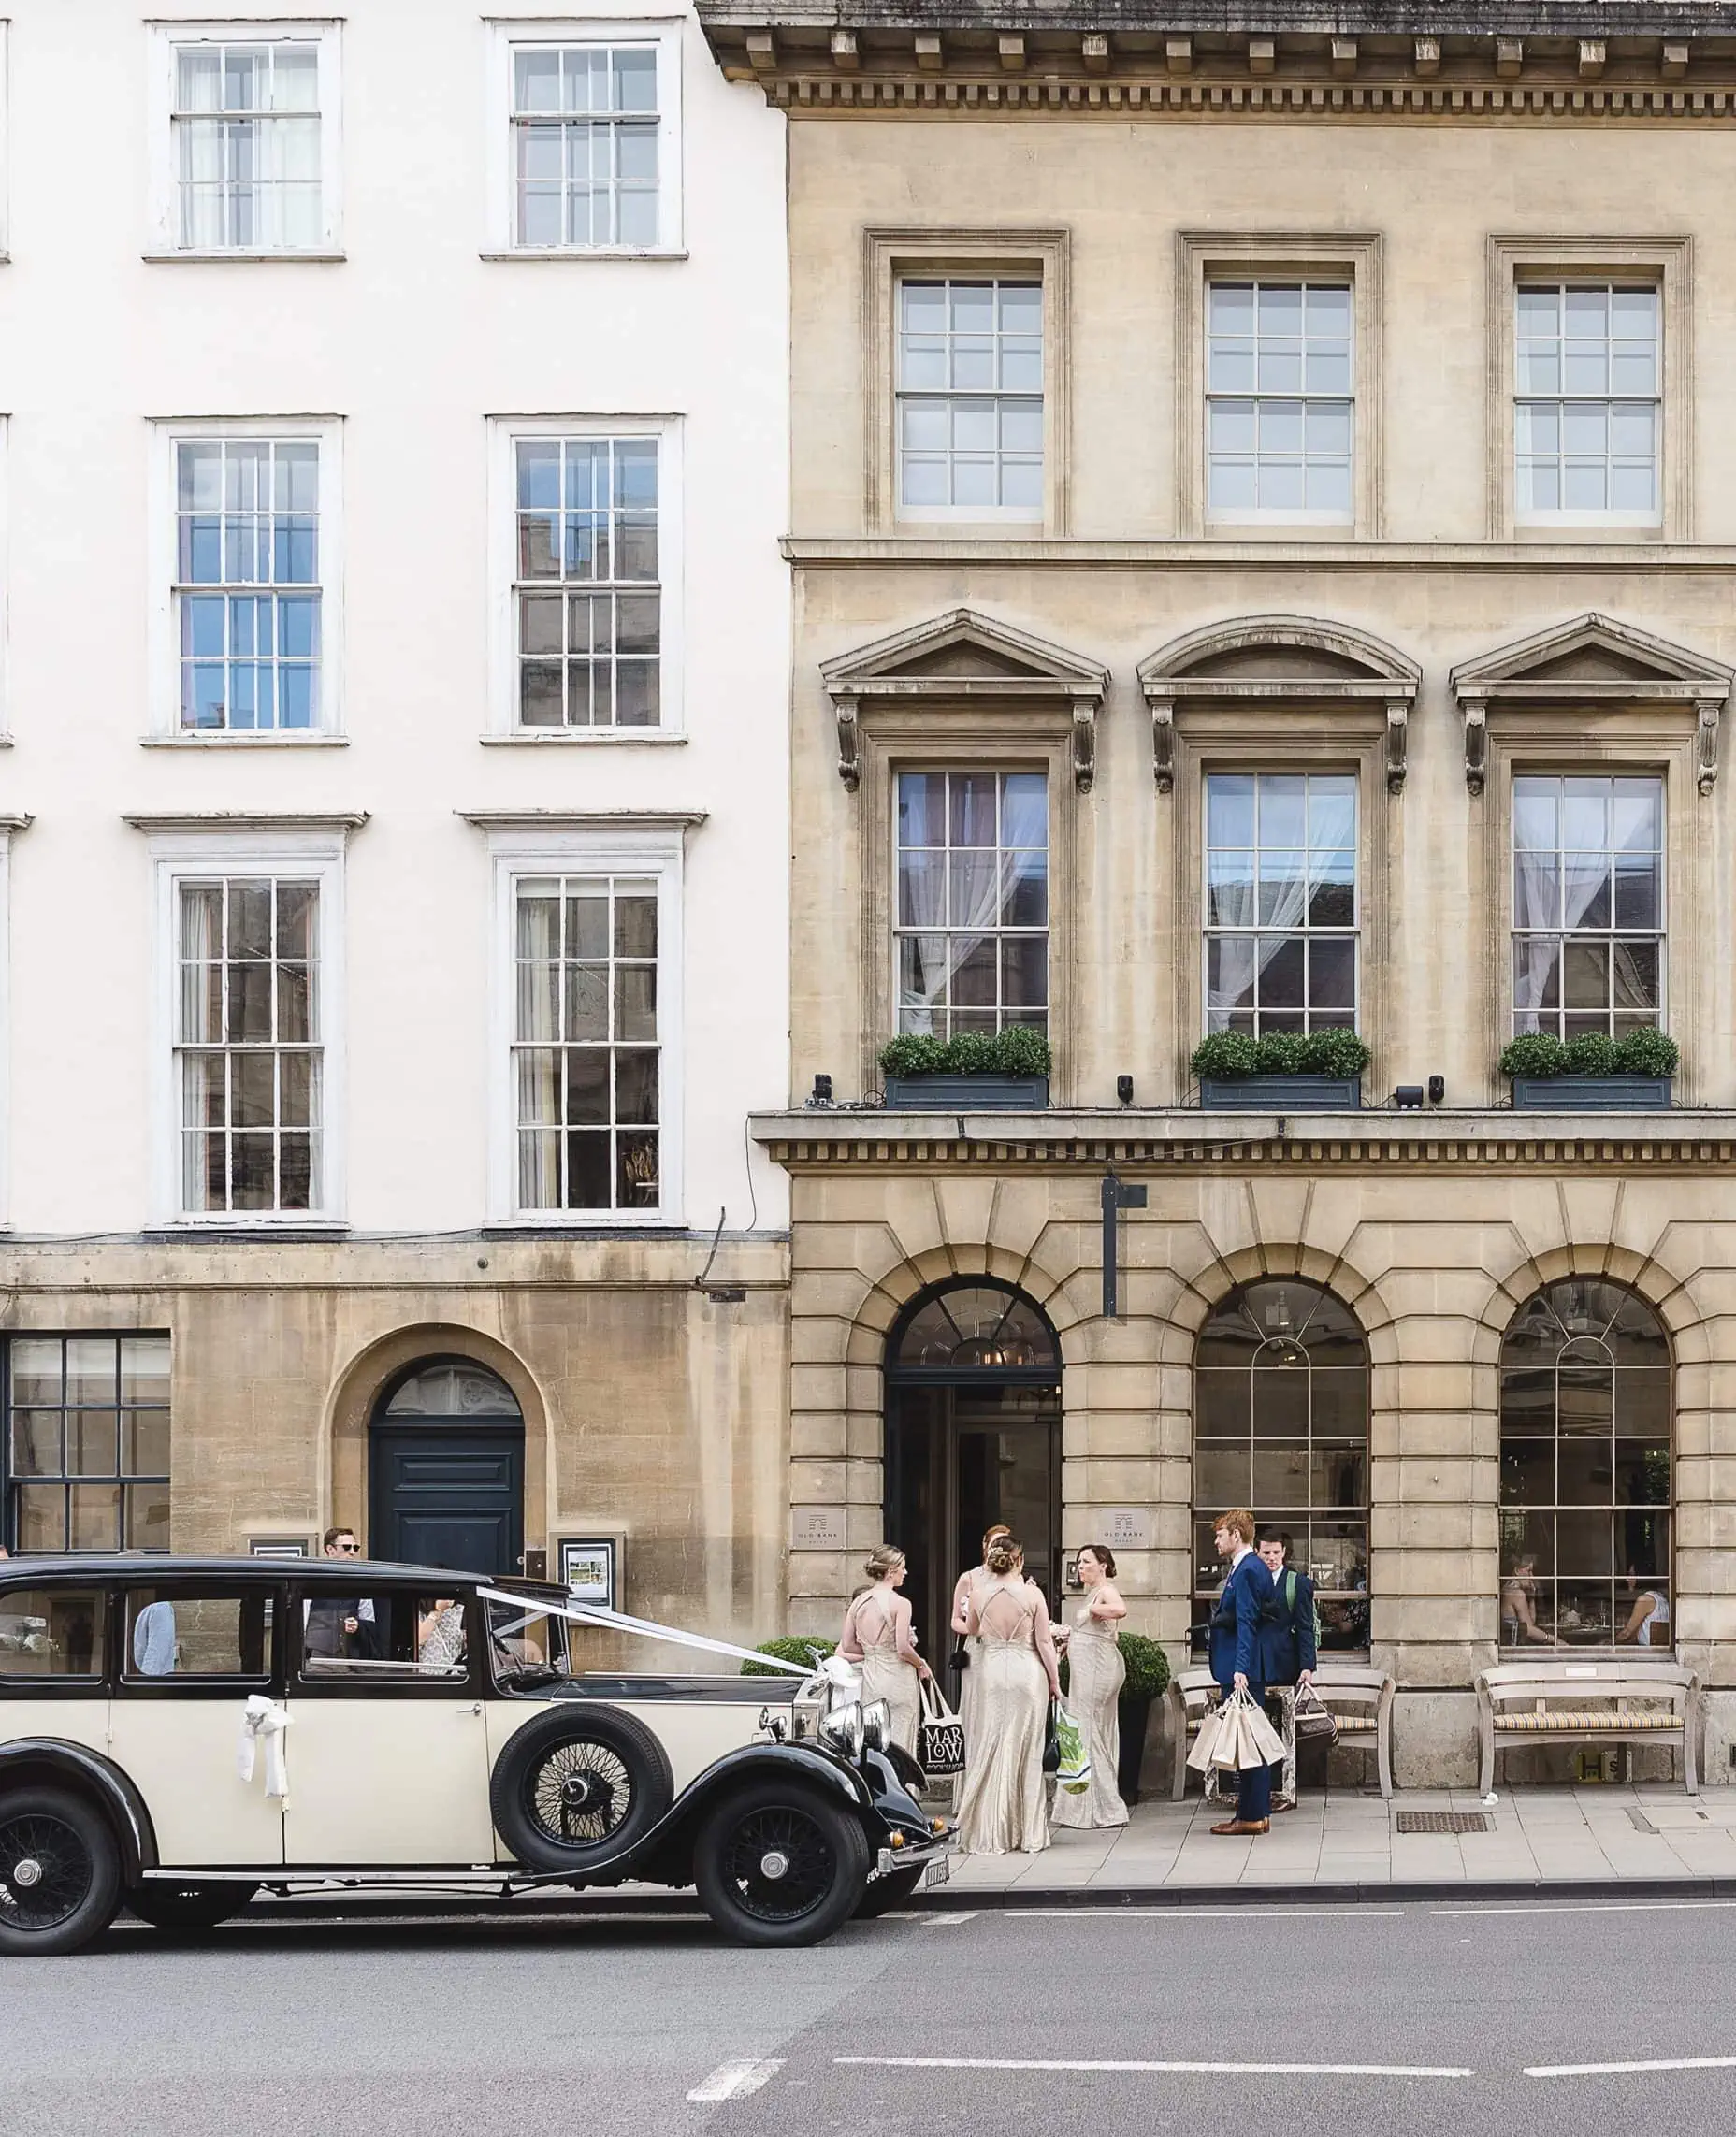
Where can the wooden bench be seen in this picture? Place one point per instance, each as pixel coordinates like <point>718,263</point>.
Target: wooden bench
<point>1359,1698</point>
<point>1557,1700</point>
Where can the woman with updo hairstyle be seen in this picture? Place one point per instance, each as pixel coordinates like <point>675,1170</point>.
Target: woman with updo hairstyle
<point>1095,1674</point>
<point>877,1634</point>
<point>965,1654</point>
<point>1004,1808</point>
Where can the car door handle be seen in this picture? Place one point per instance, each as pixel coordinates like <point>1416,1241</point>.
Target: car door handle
<point>475,1709</point>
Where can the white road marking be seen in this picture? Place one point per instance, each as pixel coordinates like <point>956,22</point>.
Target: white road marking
<point>945,1921</point>
<point>1543,1905</point>
<point>1618,2069</point>
<point>1204,1914</point>
<point>736,2081</point>
<point>1209,2070</point>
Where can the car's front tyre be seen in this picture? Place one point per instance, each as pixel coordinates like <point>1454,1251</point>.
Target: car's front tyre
<point>60,1874</point>
<point>778,1865</point>
<point>166,1905</point>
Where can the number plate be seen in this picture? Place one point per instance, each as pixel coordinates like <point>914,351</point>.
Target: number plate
<point>937,1872</point>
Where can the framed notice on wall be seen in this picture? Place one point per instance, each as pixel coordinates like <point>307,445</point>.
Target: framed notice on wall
<point>590,1570</point>
<point>279,1547</point>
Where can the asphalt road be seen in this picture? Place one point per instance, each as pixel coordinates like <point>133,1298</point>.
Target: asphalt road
<point>1457,2018</point>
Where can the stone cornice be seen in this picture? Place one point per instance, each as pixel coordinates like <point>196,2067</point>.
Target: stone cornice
<point>1503,61</point>
<point>1178,1139</point>
<point>866,552</point>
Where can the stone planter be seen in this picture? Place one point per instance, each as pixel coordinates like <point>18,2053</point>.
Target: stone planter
<point>1591,1094</point>
<point>966,1093</point>
<point>1281,1093</point>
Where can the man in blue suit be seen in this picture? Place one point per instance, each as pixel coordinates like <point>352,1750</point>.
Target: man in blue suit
<point>1240,1641</point>
<point>1292,1648</point>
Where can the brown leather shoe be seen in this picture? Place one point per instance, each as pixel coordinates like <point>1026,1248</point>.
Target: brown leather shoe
<point>1244,1826</point>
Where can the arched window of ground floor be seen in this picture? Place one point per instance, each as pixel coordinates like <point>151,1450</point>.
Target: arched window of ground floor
<point>1586,1404</point>
<point>1281,1426</point>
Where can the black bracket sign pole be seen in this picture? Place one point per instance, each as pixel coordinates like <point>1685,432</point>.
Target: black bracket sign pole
<point>1116,1197</point>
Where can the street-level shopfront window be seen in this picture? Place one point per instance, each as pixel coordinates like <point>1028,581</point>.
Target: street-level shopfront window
<point>973,901</point>
<point>87,1443</point>
<point>1281,1426</point>
<point>1585,1496</point>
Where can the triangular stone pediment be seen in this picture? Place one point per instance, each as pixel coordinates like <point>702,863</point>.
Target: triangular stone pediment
<point>1594,651</point>
<point>965,657</point>
<point>962,646</point>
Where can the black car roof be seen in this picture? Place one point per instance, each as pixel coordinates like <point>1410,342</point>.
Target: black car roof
<point>155,1566</point>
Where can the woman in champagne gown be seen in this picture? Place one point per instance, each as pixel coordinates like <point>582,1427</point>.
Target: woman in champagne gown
<point>1095,1674</point>
<point>1003,1810</point>
<point>968,1583</point>
<point>877,1634</point>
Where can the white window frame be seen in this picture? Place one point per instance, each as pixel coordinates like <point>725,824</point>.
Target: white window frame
<point>968,515</point>
<point>504,433</point>
<point>178,856</point>
<point>650,854</point>
<point>163,240</point>
<point>660,33</point>
<point>9,827</point>
<point>162,629</point>
<point>1573,516</point>
<point>1262,399</point>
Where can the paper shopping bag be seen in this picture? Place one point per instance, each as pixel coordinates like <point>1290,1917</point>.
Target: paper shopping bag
<point>1199,1757</point>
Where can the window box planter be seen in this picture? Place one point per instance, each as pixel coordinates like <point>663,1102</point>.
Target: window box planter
<point>1591,1094</point>
<point>1280,1093</point>
<point>945,1093</point>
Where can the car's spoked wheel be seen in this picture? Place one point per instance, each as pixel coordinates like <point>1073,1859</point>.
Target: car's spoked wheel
<point>780,1863</point>
<point>46,1872</point>
<point>580,1792</point>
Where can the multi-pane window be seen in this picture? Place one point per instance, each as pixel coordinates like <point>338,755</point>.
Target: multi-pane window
<point>1280,406</point>
<point>1587,410</point>
<point>587,1065</point>
<point>87,1443</point>
<point>1280,902</point>
<point>1585,1488</point>
<point>1588,905</point>
<point>585,146</point>
<point>248,1047</point>
<point>246,128</point>
<point>970,397</point>
<point>586,593</point>
<point>972,933</point>
<point>247,583</point>
<point>1281,1426</point>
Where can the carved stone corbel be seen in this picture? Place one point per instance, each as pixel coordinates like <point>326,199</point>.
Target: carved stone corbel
<point>1084,743</point>
<point>1709,713</point>
<point>1164,744</point>
<point>1476,711</point>
<point>1398,742</point>
<point>849,767</point>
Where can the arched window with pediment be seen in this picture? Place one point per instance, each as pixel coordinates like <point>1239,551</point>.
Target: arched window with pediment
<point>1281,1426</point>
<point>1586,1404</point>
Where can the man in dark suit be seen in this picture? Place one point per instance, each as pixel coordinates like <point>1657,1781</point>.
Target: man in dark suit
<point>1238,1654</point>
<point>1292,1652</point>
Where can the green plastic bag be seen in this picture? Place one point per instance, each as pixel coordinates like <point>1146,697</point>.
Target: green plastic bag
<point>1074,1772</point>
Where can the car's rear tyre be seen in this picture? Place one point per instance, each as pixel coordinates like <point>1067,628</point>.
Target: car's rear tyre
<point>778,1865</point>
<point>888,1892</point>
<point>166,1905</point>
<point>580,1784</point>
<point>60,1872</point>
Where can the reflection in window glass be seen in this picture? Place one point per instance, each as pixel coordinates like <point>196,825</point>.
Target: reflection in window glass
<point>1281,1426</point>
<point>969,399</point>
<point>1588,905</point>
<point>585,146</point>
<point>1280,415</point>
<point>175,1635</point>
<point>55,1632</point>
<point>86,1446</point>
<point>1280,902</point>
<point>972,931</point>
<point>1586,1484</point>
<point>1588,411</point>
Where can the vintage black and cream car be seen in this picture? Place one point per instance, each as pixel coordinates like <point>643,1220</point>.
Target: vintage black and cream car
<point>177,1734</point>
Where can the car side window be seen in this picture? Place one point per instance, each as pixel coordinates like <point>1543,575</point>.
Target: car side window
<point>57,1633</point>
<point>385,1637</point>
<point>171,1634</point>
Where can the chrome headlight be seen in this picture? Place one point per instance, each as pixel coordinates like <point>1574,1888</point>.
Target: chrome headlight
<point>841,1730</point>
<point>877,1725</point>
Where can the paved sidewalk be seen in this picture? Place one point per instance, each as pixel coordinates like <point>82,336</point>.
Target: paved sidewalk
<point>1570,1836</point>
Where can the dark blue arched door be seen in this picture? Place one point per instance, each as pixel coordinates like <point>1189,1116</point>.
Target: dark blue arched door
<point>446,1471</point>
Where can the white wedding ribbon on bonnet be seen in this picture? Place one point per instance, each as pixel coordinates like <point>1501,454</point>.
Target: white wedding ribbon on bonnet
<point>264,1718</point>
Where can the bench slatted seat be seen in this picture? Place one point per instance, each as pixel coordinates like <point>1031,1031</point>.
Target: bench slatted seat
<point>1561,1699</point>
<point>1358,1697</point>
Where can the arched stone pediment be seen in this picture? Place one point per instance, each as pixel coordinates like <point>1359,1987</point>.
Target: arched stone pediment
<point>964,656</point>
<point>1594,663</point>
<point>1298,659</point>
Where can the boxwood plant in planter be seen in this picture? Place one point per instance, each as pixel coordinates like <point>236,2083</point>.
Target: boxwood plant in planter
<point>1289,1071</point>
<point>1006,1071</point>
<point>1592,1073</point>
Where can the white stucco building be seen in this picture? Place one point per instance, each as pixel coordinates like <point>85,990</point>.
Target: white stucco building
<point>394,690</point>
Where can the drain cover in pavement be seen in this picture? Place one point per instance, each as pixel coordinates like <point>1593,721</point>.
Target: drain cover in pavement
<point>1444,1822</point>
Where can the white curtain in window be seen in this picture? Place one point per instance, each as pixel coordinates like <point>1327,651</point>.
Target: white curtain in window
<point>983,880</point>
<point>201,1024</point>
<point>1535,873</point>
<point>537,1064</point>
<point>289,169</point>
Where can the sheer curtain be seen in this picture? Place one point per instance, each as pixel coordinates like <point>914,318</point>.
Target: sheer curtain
<point>537,1057</point>
<point>1274,899</point>
<point>201,1026</point>
<point>982,883</point>
<point>1536,876</point>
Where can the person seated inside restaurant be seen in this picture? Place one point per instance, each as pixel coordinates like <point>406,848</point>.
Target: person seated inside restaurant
<point>1648,1617</point>
<point>1519,1606</point>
